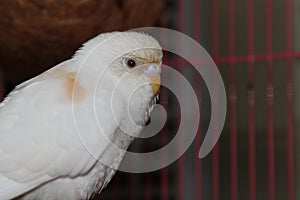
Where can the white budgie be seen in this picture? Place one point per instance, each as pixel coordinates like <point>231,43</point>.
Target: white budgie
<point>64,132</point>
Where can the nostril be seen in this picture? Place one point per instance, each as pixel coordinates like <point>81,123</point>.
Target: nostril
<point>153,70</point>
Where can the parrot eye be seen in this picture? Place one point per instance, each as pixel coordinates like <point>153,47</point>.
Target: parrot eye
<point>131,62</point>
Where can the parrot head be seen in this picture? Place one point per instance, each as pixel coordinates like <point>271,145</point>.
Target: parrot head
<point>128,66</point>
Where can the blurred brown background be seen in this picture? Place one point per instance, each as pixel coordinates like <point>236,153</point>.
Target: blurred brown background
<point>37,34</point>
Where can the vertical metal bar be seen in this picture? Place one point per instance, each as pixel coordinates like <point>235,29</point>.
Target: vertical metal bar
<point>164,134</point>
<point>181,160</point>
<point>215,55</point>
<point>290,118</point>
<point>215,29</point>
<point>198,141</point>
<point>216,173</point>
<point>164,139</point>
<point>232,103</point>
<point>270,101</point>
<point>148,189</point>
<point>181,174</point>
<point>251,102</point>
<point>133,187</point>
<point>197,19</point>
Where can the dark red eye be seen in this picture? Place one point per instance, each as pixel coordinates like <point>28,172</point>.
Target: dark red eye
<point>131,63</point>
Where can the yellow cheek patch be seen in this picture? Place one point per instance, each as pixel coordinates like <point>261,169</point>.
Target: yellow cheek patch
<point>155,82</point>
<point>74,91</point>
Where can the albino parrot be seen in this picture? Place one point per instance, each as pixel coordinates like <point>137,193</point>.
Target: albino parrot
<point>64,132</point>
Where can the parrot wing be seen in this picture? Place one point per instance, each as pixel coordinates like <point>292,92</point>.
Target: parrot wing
<point>38,141</point>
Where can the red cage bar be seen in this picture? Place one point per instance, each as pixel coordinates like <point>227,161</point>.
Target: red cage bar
<point>215,53</point>
<point>180,172</point>
<point>164,176</point>
<point>198,139</point>
<point>290,114</point>
<point>164,172</point>
<point>148,189</point>
<point>258,58</point>
<point>270,100</point>
<point>251,103</point>
<point>233,103</point>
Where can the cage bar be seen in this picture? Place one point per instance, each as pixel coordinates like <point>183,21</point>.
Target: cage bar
<point>180,170</point>
<point>181,160</point>
<point>215,54</point>
<point>164,175</point>
<point>290,114</point>
<point>233,104</point>
<point>198,142</point>
<point>223,60</point>
<point>165,171</point>
<point>148,187</point>
<point>251,102</point>
<point>257,58</point>
<point>270,100</point>
<point>198,138</point>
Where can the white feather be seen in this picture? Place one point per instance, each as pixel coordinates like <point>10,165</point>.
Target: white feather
<point>42,145</point>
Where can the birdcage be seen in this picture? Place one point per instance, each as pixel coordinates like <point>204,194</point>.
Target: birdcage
<point>255,45</point>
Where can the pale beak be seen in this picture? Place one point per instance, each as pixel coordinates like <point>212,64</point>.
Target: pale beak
<point>153,73</point>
